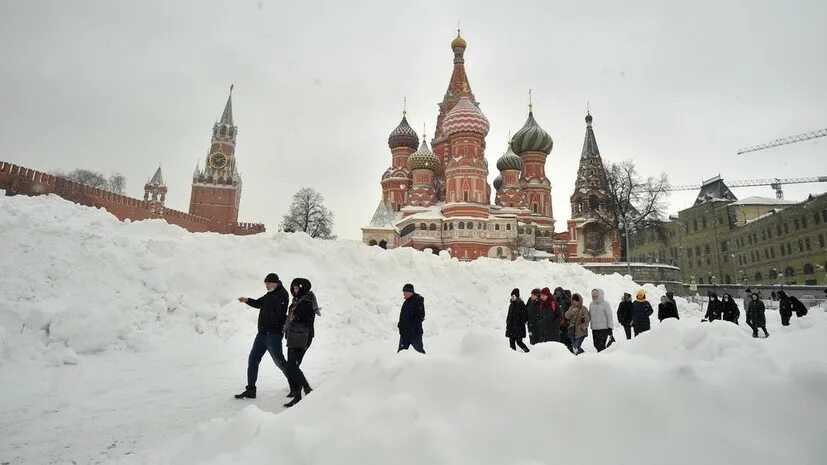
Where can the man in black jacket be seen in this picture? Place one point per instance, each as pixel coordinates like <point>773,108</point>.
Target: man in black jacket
<point>271,317</point>
<point>625,311</point>
<point>410,320</point>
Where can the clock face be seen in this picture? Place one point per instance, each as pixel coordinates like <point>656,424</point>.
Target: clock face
<point>218,161</point>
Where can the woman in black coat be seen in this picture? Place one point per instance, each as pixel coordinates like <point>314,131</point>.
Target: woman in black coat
<point>515,322</point>
<point>625,310</point>
<point>730,309</point>
<point>298,332</point>
<point>755,315</point>
<point>533,318</point>
<point>667,309</point>
<point>714,309</point>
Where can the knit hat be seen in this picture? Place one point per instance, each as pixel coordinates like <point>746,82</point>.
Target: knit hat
<point>627,295</point>
<point>408,288</point>
<point>535,291</point>
<point>516,293</point>
<point>546,291</point>
<point>272,278</point>
<point>641,294</point>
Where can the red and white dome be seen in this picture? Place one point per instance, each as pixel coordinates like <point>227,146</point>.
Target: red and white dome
<point>465,117</point>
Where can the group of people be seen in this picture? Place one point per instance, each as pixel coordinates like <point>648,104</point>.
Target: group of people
<point>280,320</point>
<point>563,317</point>
<point>726,309</point>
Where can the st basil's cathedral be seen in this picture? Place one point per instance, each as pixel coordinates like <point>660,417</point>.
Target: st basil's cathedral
<point>437,197</point>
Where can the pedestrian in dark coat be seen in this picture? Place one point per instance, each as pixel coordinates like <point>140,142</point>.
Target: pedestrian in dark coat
<point>550,316</point>
<point>515,322</point>
<point>641,311</point>
<point>756,317</point>
<point>671,296</point>
<point>536,334</point>
<point>271,316</point>
<point>410,320</point>
<point>563,298</point>
<point>714,308</point>
<point>730,309</point>
<point>785,308</point>
<point>798,306</point>
<point>625,310</point>
<point>667,309</point>
<point>298,330</point>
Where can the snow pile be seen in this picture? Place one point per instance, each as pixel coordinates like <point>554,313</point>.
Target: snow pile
<point>83,282</point>
<point>686,393</point>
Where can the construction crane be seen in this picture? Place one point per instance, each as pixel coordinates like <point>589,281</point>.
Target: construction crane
<point>775,183</point>
<point>784,141</point>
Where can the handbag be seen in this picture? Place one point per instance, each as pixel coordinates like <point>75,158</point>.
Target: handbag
<point>297,337</point>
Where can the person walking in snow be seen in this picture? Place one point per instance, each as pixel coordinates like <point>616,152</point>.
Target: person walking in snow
<point>271,316</point>
<point>667,309</point>
<point>298,330</point>
<point>625,311</point>
<point>641,311</point>
<point>798,306</point>
<point>578,317</point>
<point>730,309</point>
<point>785,308</point>
<point>714,308</point>
<point>671,296</point>
<point>515,321</point>
<point>550,315</point>
<point>756,318</point>
<point>410,320</point>
<point>563,298</point>
<point>602,322</point>
<point>533,319</point>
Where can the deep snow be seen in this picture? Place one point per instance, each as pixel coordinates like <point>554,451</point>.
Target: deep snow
<point>124,342</point>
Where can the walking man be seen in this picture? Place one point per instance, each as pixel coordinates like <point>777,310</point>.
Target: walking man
<point>271,317</point>
<point>410,320</point>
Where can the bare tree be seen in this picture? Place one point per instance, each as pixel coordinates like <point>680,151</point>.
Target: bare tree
<point>115,183</point>
<point>308,214</point>
<point>633,202</point>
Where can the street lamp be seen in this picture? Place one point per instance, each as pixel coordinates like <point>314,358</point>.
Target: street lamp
<point>627,228</point>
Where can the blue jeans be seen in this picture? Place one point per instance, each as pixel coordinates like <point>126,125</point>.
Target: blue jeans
<point>576,343</point>
<point>265,342</point>
<point>414,340</point>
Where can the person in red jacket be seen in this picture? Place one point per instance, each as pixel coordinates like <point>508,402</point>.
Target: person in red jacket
<point>549,316</point>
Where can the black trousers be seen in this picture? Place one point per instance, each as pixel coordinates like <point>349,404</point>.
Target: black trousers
<point>514,342</point>
<point>639,331</point>
<point>600,336</point>
<point>628,330</point>
<point>414,340</point>
<point>755,328</point>
<point>295,375</point>
<point>785,319</point>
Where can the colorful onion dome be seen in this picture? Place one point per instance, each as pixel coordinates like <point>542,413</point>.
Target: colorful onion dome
<point>510,161</point>
<point>531,138</point>
<point>403,136</point>
<point>423,158</point>
<point>458,41</point>
<point>465,117</point>
<point>498,182</point>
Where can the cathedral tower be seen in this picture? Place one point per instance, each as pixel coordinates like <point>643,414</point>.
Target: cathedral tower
<point>216,190</point>
<point>396,182</point>
<point>423,163</point>
<point>466,173</point>
<point>155,192</point>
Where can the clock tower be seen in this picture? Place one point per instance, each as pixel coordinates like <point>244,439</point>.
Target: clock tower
<point>216,189</point>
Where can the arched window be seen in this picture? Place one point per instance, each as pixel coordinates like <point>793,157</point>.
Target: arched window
<point>728,279</point>
<point>432,227</point>
<point>700,280</point>
<point>423,227</point>
<point>789,272</point>
<point>594,203</point>
<point>372,242</point>
<point>496,227</point>
<point>521,231</point>
<point>445,226</point>
<point>508,227</point>
<point>470,225</point>
<point>451,226</point>
<point>499,251</point>
<point>808,269</point>
<point>461,225</point>
<point>383,244</point>
<point>758,277</point>
<point>465,195</point>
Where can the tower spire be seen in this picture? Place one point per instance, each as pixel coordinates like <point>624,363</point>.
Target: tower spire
<point>404,106</point>
<point>530,106</point>
<point>227,116</point>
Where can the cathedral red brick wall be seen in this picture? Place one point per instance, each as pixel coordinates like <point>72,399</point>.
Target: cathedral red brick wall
<point>16,179</point>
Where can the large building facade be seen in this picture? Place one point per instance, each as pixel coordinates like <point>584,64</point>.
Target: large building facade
<point>214,199</point>
<point>438,197</point>
<point>756,240</point>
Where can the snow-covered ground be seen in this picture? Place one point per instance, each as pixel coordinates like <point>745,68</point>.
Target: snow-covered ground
<point>123,343</point>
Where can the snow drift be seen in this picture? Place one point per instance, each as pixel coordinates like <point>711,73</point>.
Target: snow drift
<point>124,343</point>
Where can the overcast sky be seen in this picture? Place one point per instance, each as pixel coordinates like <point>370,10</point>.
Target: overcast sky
<point>678,87</point>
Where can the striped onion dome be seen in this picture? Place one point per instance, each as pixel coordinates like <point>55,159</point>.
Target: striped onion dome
<point>465,117</point>
<point>498,182</point>
<point>510,161</point>
<point>403,136</point>
<point>531,138</point>
<point>423,158</point>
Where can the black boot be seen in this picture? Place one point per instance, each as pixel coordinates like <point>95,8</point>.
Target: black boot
<point>296,399</point>
<point>291,394</point>
<point>307,389</point>
<point>249,393</point>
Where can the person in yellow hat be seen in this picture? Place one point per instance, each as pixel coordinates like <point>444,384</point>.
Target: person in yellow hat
<point>641,311</point>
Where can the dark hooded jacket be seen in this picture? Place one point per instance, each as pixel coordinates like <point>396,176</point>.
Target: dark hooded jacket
<point>667,310</point>
<point>641,311</point>
<point>625,311</point>
<point>272,310</point>
<point>301,314</point>
<point>533,320</point>
<point>714,308</point>
<point>730,310</point>
<point>515,322</point>
<point>755,313</point>
<point>799,307</point>
<point>411,316</point>
<point>550,316</point>
<point>785,305</point>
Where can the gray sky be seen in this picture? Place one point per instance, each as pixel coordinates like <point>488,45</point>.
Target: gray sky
<point>678,87</point>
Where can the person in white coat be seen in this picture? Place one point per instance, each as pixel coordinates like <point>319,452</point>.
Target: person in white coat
<point>602,321</point>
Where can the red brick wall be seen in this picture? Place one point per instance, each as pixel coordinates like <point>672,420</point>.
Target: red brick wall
<point>16,179</point>
<point>216,204</point>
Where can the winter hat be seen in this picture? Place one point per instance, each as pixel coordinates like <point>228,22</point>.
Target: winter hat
<point>546,291</point>
<point>535,291</point>
<point>626,295</point>
<point>670,295</point>
<point>782,295</point>
<point>272,278</point>
<point>516,293</point>
<point>408,288</point>
<point>641,294</point>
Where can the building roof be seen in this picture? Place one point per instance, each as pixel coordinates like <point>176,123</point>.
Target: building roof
<point>764,201</point>
<point>227,116</point>
<point>531,137</point>
<point>157,178</point>
<point>589,143</point>
<point>714,189</point>
<point>403,135</point>
<point>383,218</point>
